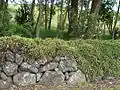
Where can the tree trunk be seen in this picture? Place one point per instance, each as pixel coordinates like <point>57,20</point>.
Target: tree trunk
<point>2,2</point>
<point>51,14</point>
<point>6,4</point>
<point>95,6</point>
<point>64,21</point>
<point>116,18</point>
<point>46,19</point>
<point>73,16</point>
<point>58,23</point>
<point>32,11</point>
<point>104,29</point>
<point>36,29</point>
<point>59,28</point>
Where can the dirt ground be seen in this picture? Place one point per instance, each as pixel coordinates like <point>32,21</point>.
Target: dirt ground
<point>113,84</point>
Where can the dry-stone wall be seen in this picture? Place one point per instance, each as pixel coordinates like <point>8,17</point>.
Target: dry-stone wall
<point>18,69</point>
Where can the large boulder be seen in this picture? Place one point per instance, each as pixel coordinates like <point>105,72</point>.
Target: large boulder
<point>24,78</point>
<point>68,66</point>
<point>52,78</point>
<point>4,85</point>
<point>76,78</point>
<point>10,68</point>
<point>50,66</point>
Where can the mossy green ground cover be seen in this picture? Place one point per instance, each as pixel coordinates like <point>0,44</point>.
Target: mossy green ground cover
<point>95,58</point>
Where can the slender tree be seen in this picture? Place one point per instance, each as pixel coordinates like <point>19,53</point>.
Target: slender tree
<point>73,16</point>
<point>32,11</point>
<point>46,17</point>
<point>2,3</point>
<point>36,29</point>
<point>95,6</point>
<point>116,19</point>
<point>6,4</point>
<point>51,14</point>
<point>60,19</point>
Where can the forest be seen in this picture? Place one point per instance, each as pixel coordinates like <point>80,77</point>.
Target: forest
<point>65,19</point>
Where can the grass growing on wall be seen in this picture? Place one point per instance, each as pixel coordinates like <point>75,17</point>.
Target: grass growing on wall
<point>95,58</point>
<point>35,47</point>
<point>98,58</point>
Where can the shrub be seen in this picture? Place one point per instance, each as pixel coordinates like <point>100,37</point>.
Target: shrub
<point>4,21</point>
<point>35,47</point>
<point>23,14</point>
<point>24,30</point>
<point>98,58</point>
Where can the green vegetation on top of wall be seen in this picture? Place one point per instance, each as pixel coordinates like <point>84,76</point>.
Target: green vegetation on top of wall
<point>35,47</point>
<point>95,58</point>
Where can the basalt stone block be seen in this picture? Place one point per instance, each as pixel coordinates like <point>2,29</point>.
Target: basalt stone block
<point>27,67</point>
<point>50,66</point>
<point>10,68</point>
<point>38,76</point>
<point>4,85</point>
<point>76,78</point>
<point>52,78</point>
<point>42,61</point>
<point>68,66</point>
<point>10,56</point>
<point>4,77</point>
<point>19,59</point>
<point>24,78</point>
